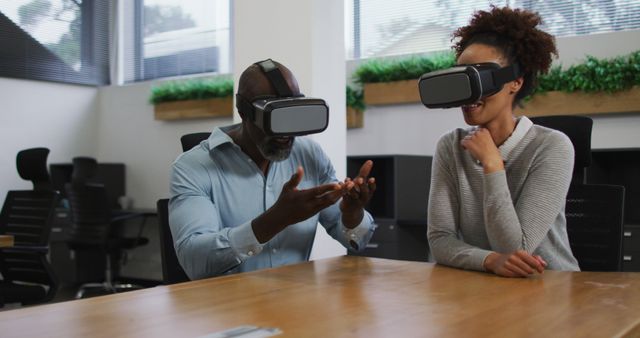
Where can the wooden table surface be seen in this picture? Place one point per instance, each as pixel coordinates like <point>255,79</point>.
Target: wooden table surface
<point>354,297</point>
<point>6,241</point>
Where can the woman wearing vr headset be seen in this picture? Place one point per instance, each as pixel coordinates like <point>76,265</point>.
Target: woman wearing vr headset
<point>498,188</point>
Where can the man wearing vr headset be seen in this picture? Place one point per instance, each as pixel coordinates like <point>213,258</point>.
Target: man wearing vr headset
<point>498,189</point>
<point>252,194</point>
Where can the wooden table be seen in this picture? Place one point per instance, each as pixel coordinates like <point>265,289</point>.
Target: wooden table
<point>6,241</point>
<point>353,297</point>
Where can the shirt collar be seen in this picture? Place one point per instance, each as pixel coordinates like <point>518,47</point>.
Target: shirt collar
<point>522,127</point>
<point>219,136</point>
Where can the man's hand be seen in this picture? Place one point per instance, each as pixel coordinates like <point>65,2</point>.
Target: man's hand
<point>294,206</point>
<point>357,193</point>
<point>515,264</point>
<point>481,146</point>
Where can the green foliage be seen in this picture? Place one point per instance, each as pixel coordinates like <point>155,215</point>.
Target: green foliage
<point>594,75</point>
<point>162,18</point>
<point>355,99</point>
<point>31,13</point>
<point>197,89</point>
<point>68,46</point>
<point>388,70</point>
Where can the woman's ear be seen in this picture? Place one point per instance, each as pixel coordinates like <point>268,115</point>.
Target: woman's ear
<point>515,85</point>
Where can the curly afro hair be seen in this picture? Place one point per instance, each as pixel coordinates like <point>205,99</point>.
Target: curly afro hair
<point>514,33</point>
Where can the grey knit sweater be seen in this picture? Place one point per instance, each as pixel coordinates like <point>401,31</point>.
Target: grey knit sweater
<point>472,214</point>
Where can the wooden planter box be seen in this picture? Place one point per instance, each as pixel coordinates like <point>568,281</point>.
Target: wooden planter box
<point>580,103</point>
<point>218,107</point>
<point>391,92</point>
<point>551,103</point>
<point>355,118</point>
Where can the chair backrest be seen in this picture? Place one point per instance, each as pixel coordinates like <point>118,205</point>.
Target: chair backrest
<point>28,216</point>
<point>594,211</point>
<point>84,168</point>
<point>578,129</point>
<point>27,266</point>
<point>189,141</point>
<point>32,166</point>
<point>594,224</point>
<point>172,272</point>
<point>90,215</point>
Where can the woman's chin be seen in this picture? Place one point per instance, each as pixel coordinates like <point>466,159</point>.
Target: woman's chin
<point>472,119</point>
<point>472,114</point>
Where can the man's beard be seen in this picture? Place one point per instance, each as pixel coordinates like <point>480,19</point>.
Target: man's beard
<point>270,150</point>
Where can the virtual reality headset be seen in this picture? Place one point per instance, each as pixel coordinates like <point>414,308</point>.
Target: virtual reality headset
<point>284,114</point>
<point>464,84</point>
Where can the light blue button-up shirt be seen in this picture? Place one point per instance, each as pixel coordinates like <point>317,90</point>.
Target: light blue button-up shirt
<point>217,190</point>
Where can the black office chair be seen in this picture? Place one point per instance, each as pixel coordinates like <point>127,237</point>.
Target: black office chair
<point>27,276</point>
<point>94,225</point>
<point>594,212</point>
<point>172,271</point>
<point>189,141</point>
<point>32,166</point>
<point>578,129</point>
<point>594,223</point>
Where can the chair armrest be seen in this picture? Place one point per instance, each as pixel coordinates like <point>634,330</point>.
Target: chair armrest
<point>36,249</point>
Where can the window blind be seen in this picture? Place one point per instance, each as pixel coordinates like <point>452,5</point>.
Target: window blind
<point>380,28</point>
<point>55,40</point>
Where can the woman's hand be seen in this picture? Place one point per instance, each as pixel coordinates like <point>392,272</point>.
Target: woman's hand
<point>516,264</point>
<point>480,145</point>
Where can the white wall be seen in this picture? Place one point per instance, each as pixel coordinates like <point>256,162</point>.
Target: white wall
<point>57,116</point>
<point>413,129</point>
<point>128,133</point>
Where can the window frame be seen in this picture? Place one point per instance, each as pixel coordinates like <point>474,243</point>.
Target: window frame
<point>139,74</point>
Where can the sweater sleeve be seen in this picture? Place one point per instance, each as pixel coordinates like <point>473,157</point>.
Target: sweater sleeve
<point>523,226</point>
<point>443,214</point>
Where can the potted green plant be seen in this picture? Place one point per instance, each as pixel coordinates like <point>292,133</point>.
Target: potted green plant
<point>392,81</point>
<point>196,98</point>
<point>596,86</point>
<point>355,108</point>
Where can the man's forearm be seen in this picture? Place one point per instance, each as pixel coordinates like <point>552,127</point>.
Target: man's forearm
<point>265,227</point>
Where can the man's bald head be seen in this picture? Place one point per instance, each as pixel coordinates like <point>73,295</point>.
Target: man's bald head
<point>254,82</point>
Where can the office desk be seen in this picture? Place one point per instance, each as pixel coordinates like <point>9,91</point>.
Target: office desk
<point>353,297</point>
<point>6,241</point>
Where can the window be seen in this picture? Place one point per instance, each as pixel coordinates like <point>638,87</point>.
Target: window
<point>383,28</point>
<point>55,40</point>
<point>176,37</point>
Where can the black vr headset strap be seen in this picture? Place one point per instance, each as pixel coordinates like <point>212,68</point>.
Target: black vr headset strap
<point>274,75</point>
<point>506,74</point>
<point>245,107</point>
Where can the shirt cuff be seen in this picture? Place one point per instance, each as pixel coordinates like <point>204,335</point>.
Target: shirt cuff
<point>243,241</point>
<point>359,236</point>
